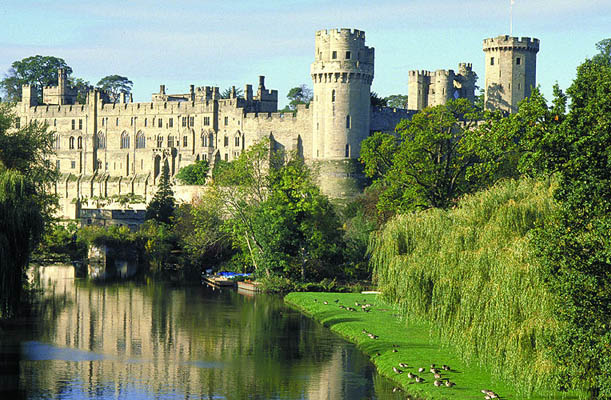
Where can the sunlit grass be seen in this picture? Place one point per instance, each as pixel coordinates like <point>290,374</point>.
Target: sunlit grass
<point>416,347</point>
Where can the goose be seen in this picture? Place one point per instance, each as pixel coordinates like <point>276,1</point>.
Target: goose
<point>437,383</point>
<point>419,379</point>
<point>445,367</point>
<point>434,371</point>
<point>450,384</point>
<point>410,375</point>
<point>420,369</point>
<point>325,302</point>
<point>403,365</point>
<point>397,370</point>
<point>394,350</point>
<point>437,376</point>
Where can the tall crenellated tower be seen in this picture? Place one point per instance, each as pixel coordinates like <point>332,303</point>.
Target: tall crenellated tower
<point>342,74</point>
<point>511,69</point>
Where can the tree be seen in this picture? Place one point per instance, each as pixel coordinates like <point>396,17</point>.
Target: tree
<point>161,208</point>
<point>396,101</point>
<point>226,94</point>
<point>575,247</point>
<point>299,95</point>
<point>428,163</point>
<point>24,205</point>
<point>38,71</point>
<point>82,87</point>
<point>114,85</point>
<point>377,101</point>
<point>194,174</point>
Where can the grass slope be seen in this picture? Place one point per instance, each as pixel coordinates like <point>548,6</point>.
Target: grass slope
<point>415,347</point>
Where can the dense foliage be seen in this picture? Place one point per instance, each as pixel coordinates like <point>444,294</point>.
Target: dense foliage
<point>468,270</point>
<point>115,85</point>
<point>429,162</point>
<point>194,174</point>
<point>24,206</point>
<point>576,247</point>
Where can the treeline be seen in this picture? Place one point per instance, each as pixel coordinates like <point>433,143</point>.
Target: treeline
<point>517,276</point>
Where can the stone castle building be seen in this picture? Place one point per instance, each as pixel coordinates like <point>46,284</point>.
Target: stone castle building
<point>433,88</point>
<point>105,149</point>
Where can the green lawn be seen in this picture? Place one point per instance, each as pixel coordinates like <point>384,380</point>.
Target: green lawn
<point>414,347</point>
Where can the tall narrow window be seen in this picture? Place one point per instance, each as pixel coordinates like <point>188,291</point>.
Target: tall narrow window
<point>71,143</point>
<point>518,60</point>
<point>56,142</point>
<point>80,124</point>
<point>237,141</point>
<point>184,141</point>
<point>160,141</point>
<point>334,55</point>
<point>226,141</point>
<point>211,140</point>
<point>170,141</point>
<point>206,121</point>
<point>160,123</point>
<point>125,140</point>
<point>347,150</point>
<point>333,95</point>
<point>171,122</point>
<point>73,124</point>
<point>103,120</point>
<point>184,122</point>
<point>117,122</point>
<point>101,140</point>
<point>191,121</point>
<point>57,165</point>
<point>491,60</point>
<point>79,142</point>
<point>226,121</point>
<point>348,122</point>
<point>348,55</point>
<point>54,122</point>
<point>204,137</point>
<point>140,140</point>
<point>145,122</point>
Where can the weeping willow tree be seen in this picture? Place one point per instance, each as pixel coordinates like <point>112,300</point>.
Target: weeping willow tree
<point>469,272</point>
<point>25,206</point>
<point>22,223</point>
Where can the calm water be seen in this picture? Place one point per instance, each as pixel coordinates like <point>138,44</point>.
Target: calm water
<point>141,341</point>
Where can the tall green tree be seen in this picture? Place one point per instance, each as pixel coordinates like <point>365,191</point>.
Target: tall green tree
<point>39,71</point>
<point>397,101</point>
<point>114,85</point>
<point>575,247</point>
<point>161,208</point>
<point>427,163</point>
<point>225,94</point>
<point>299,95</point>
<point>25,207</point>
<point>377,101</point>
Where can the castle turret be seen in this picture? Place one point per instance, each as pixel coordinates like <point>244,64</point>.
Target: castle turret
<point>511,66</point>
<point>29,96</point>
<point>465,82</point>
<point>443,87</point>
<point>342,74</point>
<point>418,89</point>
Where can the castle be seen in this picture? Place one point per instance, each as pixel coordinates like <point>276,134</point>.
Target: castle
<point>105,149</point>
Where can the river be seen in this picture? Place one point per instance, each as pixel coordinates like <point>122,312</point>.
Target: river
<point>152,340</point>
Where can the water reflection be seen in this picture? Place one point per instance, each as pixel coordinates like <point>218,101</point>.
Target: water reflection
<point>153,341</point>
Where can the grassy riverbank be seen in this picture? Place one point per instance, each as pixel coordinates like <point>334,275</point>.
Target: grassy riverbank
<point>415,347</point>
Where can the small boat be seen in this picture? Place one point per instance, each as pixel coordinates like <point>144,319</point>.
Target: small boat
<point>250,286</point>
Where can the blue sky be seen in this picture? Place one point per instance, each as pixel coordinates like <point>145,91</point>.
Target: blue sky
<point>223,43</point>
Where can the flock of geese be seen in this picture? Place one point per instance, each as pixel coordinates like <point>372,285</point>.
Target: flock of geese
<point>438,381</point>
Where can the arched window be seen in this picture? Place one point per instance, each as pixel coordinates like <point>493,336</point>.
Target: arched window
<point>204,140</point>
<point>159,141</point>
<point>140,140</point>
<point>79,142</point>
<point>56,142</point>
<point>100,140</point>
<point>125,140</point>
<point>71,143</point>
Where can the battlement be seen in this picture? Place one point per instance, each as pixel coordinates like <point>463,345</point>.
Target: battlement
<point>444,72</point>
<point>506,42</point>
<point>340,34</point>
<point>419,73</point>
<point>465,67</point>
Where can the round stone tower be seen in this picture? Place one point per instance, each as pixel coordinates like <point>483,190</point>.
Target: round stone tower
<point>342,74</point>
<point>511,70</point>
